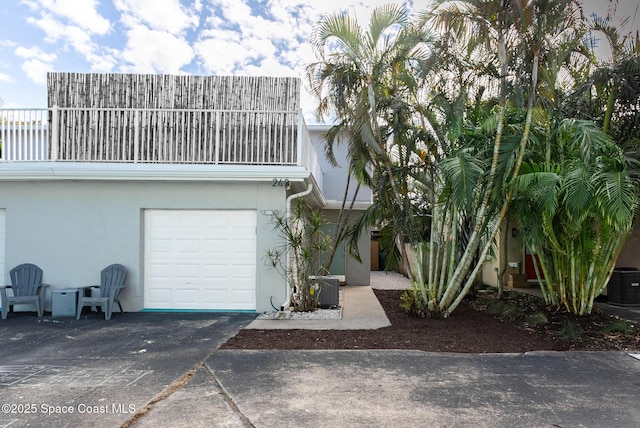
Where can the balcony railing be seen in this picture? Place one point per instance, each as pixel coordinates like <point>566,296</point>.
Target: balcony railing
<point>24,135</point>
<point>156,136</point>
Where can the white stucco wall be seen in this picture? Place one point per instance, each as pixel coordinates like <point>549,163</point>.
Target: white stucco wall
<point>334,178</point>
<point>73,229</point>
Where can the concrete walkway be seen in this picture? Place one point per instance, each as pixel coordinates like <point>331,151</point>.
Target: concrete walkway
<point>360,311</point>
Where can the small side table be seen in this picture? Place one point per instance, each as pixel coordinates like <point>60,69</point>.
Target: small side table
<point>64,302</point>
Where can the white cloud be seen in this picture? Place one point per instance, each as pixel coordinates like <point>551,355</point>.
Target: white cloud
<point>36,70</point>
<point>222,52</point>
<point>251,37</point>
<point>75,37</point>
<point>239,40</point>
<point>6,78</point>
<point>152,51</point>
<point>35,52</point>
<point>162,15</point>
<point>83,13</point>
<point>55,31</point>
<point>37,63</point>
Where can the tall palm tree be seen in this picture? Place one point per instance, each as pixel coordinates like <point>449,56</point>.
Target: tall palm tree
<point>362,79</point>
<point>516,37</point>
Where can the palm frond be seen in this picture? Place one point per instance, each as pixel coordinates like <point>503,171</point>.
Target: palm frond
<point>463,172</point>
<point>616,198</point>
<point>578,190</point>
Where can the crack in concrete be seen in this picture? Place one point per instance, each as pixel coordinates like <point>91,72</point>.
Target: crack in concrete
<point>163,395</point>
<point>180,383</point>
<point>227,398</point>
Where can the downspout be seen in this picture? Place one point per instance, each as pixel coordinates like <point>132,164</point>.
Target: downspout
<point>290,198</point>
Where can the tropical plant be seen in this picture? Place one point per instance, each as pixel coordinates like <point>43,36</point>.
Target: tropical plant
<point>575,212</point>
<point>363,78</point>
<point>298,258</point>
<point>510,39</point>
<point>610,95</point>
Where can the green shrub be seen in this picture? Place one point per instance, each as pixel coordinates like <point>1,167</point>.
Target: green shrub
<point>412,303</point>
<point>618,326</point>
<point>571,332</point>
<point>538,318</point>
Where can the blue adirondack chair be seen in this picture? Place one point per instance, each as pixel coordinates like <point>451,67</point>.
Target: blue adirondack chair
<point>111,283</point>
<point>27,287</point>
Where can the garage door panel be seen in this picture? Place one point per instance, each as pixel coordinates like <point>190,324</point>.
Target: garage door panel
<point>187,271</point>
<point>159,271</point>
<point>187,296</point>
<point>200,259</point>
<point>161,219</point>
<point>219,296</point>
<point>161,245</point>
<point>159,295</point>
<point>188,246</point>
<point>216,272</point>
<point>214,246</point>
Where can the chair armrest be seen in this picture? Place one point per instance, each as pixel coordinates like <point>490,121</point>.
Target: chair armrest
<point>82,291</point>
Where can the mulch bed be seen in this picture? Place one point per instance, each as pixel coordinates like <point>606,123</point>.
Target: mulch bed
<point>472,328</point>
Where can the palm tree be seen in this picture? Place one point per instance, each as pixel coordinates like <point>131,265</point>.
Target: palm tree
<point>511,38</point>
<point>575,213</point>
<point>363,78</point>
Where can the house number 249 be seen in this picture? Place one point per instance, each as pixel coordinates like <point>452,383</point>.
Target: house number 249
<point>280,183</point>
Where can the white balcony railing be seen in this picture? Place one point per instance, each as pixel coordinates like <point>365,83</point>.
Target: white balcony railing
<point>24,135</point>
<point>157,136</point>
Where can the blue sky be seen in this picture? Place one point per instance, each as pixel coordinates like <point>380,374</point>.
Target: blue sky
<point>221,37</point>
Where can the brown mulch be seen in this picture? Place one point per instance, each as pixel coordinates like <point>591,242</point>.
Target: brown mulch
<point>472,328</point>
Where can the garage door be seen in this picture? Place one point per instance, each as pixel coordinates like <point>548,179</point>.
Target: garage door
<point>200,259</point>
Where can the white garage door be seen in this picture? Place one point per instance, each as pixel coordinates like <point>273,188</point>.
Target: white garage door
<point>200,259</point>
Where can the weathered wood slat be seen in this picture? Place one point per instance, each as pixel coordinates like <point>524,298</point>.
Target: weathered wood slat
<point>254,122</point>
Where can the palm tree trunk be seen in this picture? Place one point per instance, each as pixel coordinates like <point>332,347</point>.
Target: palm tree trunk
<point>503,211</point>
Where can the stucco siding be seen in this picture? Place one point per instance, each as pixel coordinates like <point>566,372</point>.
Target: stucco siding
<point>73,229</point>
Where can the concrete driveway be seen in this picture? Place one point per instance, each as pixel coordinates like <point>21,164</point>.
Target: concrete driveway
<point>164,370</point>
<point>59,372</point>
<point>419,389</point>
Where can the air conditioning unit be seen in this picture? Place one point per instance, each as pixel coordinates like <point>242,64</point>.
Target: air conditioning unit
<point>329,291</point>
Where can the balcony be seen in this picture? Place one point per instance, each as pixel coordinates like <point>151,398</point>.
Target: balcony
<point>157,136</point>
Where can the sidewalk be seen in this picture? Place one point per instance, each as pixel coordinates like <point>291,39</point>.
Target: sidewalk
<point>360,311</point>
